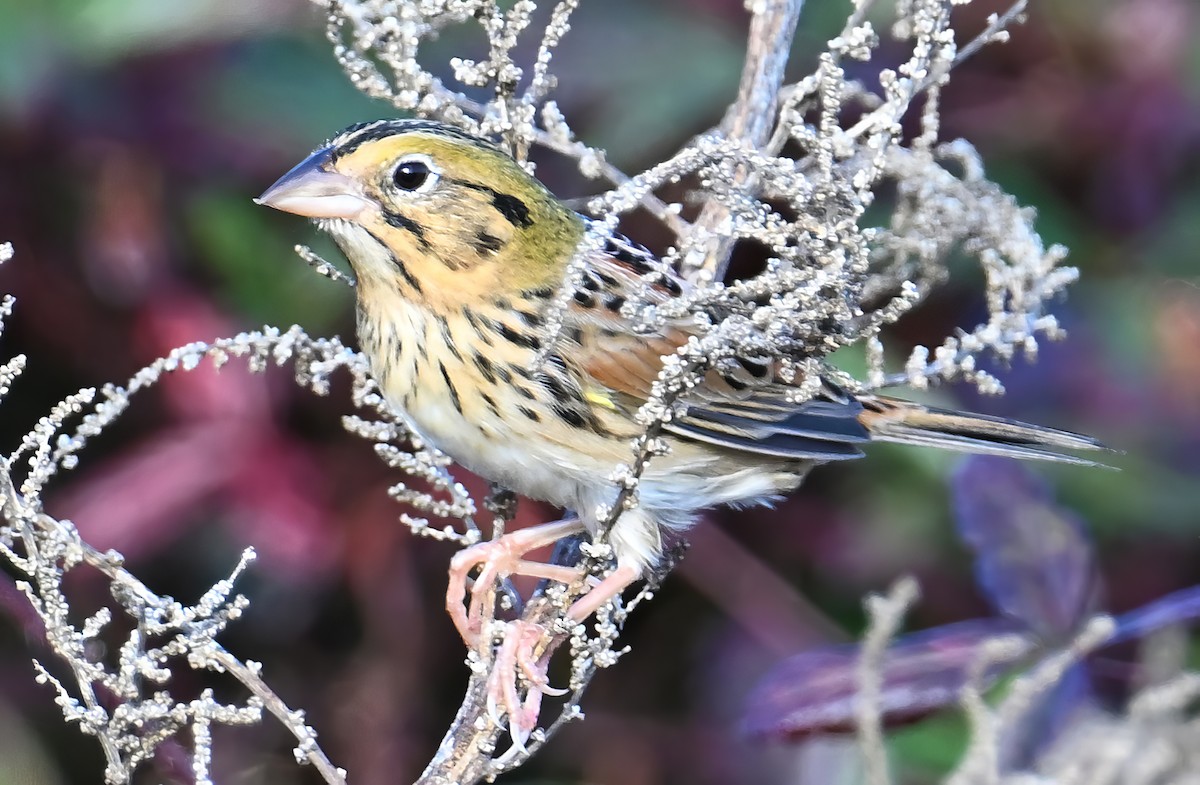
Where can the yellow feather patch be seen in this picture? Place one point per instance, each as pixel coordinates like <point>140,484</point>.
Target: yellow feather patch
<point>599,398</point>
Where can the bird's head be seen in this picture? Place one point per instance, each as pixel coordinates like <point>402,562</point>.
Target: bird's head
<point>436,212</point>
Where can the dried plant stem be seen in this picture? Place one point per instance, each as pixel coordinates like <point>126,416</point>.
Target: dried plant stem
<point>751,117</point>
<point>653,205</point>
<point>886,616</point>
<point>216,657</point>
<point>997,28</point>
<point>291,719</point>
<point>466,753</point>
<point>460,757</point>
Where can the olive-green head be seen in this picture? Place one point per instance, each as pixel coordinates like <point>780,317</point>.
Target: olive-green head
<point>419,201</point>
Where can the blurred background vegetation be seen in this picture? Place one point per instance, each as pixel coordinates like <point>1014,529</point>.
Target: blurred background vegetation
<point>133,134</point>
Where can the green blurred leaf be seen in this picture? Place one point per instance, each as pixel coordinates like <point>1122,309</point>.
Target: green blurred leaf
<point>930,748</point>
<point>288,92</point>
<point>23,759</point>
<point>647,75</point>
<point>260,274</point>
<point>1173,244</point>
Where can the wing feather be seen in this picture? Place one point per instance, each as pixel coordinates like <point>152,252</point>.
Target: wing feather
<point>741,409</point>
<point>745,407</point>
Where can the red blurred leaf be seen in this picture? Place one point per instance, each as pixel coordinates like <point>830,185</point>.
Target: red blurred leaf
<point>140,499</point>
<point>278,497</point>
<point>177,318</point>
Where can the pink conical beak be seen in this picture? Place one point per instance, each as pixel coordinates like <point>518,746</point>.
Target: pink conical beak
<point>314,190</point>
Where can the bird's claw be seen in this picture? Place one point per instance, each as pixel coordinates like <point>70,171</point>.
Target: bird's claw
<point>516,659</point>
<point>498,559</point>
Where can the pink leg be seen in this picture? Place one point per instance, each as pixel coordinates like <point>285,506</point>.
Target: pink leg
<point>516,654</point>
<point>516,657</point>
<point>498,559</point>
<point>616,582</point>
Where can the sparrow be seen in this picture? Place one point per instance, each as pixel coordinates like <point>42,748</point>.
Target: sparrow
<point>459,253</point>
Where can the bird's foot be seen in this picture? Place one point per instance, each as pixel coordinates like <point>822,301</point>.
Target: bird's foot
<point>517,680</point>
<point>522,657</point>
<point>496,560</point>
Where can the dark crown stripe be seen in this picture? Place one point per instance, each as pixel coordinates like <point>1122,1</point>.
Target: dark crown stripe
<point>359,134</point>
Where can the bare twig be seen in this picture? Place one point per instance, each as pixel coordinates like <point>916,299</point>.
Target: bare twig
<point>886,615</point>
<point>996,30</point>
<point>751,117</point>
<point>467,753</point>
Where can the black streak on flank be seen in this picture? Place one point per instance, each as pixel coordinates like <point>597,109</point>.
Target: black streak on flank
<point>570,416</point>
<point>478,325</point>
<point>531,319</point>
<point>454,399</point>
<point>585,299</point>
<point>520,339</point>
<point>447,338</point>
<point>555,386</point>
<point>485,367</point>
<point>513,209</point>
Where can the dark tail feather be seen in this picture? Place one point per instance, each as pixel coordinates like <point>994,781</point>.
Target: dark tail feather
<point>904,422</point>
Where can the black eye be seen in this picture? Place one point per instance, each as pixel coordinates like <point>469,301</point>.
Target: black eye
<point>411,175</point>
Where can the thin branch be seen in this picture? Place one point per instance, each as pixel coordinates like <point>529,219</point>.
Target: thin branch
<point>751,117</point>
<point>886,615</point>
<point>467,753</point>
<point>997,28</point>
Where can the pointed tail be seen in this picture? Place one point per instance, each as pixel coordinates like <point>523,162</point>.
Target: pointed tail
<point>905,422</point>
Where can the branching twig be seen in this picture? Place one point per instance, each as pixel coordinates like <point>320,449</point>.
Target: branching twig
<point>750,118</point>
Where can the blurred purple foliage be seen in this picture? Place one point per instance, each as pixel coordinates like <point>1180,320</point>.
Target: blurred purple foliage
<point>1032,558</point>
<point>817,691</point>
<point>1034,563</point>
